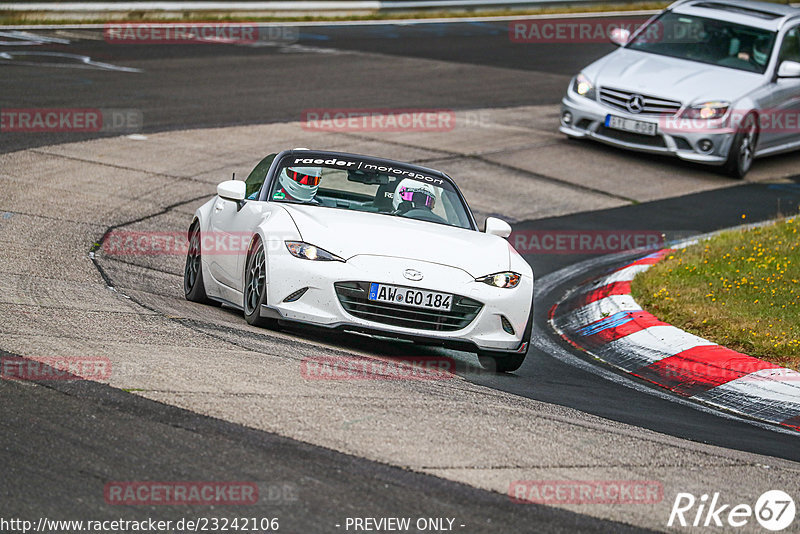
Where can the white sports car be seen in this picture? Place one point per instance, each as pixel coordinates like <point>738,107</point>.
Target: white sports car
<point>362,244</point>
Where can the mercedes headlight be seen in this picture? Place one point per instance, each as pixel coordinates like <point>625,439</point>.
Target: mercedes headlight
<point>583,86</point>
<point>707,110</point>
<point>507,279</point>
<point>305,251</point>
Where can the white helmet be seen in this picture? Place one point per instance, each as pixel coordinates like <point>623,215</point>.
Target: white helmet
<point>421,195</point>
<point>760,50</point>
<point>301,183</point>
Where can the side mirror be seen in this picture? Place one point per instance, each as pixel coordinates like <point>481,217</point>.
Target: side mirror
<point>619,36</point>
<point>232,190</point>
<point>789,69</point>
<point>498,227</point>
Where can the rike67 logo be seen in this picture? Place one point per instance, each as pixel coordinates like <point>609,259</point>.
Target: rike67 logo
<point>774,510</point>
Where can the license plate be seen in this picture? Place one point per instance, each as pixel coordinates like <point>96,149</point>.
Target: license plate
<point>417,298</point>
<point>631,125</point>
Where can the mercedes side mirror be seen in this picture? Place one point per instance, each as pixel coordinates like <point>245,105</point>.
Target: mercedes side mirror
<point>619,36</point>
<point>789,69</point>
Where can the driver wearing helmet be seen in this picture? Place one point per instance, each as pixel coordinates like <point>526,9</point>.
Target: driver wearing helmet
<point>761,51</point>
<point>298,183</point>
<point>411,194</point>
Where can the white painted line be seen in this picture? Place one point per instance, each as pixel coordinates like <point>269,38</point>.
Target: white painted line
<point>656,343</point>
<point>778,374</point>
<point>22,38</point>
<point>599,309</point>
<point>624,275</point>
<point>768,384</point>
<point>762,399</point>
<point>59,60</point>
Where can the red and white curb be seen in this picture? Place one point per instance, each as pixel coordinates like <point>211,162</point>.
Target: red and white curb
<point>602,318</point>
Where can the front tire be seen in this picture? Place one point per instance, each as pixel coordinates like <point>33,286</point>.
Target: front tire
<point>740,156</point>
<point>508,362</point>
<point>255,286</point>
<point>194,288</point>
<point>499,362</point>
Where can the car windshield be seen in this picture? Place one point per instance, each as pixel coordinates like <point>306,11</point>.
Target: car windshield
<point>371,188</point>
<point>711,41</point>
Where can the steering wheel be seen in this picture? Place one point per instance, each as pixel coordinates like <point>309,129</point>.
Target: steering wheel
<point>421,214</point>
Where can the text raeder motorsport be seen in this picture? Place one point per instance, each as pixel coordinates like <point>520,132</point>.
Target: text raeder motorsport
<point>371,167</point>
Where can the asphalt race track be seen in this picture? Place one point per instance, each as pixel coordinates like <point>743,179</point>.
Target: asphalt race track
<point>201,86</point>
<point>197,394</point>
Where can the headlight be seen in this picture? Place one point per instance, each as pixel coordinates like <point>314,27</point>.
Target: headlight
<point>304,251</point>
<point>707,110</point>
<point>507,279</point>
<point>583,86</point>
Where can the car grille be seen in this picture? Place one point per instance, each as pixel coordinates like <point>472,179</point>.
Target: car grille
<point>630,137</point>
<point>353,296</point>
<point>617,98</point>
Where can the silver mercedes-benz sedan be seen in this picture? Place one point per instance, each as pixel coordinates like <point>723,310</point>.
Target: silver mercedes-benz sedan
<point>710,81</point>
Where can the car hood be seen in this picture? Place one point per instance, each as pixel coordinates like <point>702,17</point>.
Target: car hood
<point>671,78</point>
<point>351,233</point>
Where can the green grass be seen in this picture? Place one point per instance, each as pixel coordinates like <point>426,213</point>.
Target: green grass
<point>740,289</point>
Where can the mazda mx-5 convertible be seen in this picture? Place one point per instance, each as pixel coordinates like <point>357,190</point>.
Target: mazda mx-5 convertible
<point>362,244</point>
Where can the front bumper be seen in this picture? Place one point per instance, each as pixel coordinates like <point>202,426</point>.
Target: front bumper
<point>672,137</point>
<point>321,306</point>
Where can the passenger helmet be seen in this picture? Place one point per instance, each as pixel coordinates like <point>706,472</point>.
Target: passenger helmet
<point>419,194</point>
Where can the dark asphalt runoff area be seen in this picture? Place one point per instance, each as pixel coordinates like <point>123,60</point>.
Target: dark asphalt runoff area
<point>60,442</point>
<point>201,86</point>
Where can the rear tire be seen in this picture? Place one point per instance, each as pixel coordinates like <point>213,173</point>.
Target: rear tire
<point>740,156</point>
<point>255,286</point>
<point>193,287</point>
